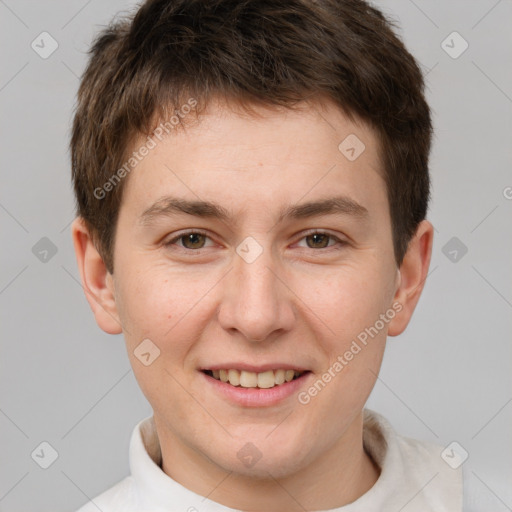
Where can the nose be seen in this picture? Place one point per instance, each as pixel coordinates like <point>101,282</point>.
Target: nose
<point>256,300</point>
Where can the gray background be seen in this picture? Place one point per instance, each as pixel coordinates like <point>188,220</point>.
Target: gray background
<point>64,381</point>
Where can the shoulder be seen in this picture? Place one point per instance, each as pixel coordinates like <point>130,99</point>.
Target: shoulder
<point>411,469</point>
<point>398,450</point>
<point>414,454</point>
<point>126,495</point>
<point>122,497</point>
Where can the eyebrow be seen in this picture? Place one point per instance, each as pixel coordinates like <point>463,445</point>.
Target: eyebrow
<point>170,206</point>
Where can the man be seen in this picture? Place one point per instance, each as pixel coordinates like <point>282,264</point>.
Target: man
<point>252,186</point>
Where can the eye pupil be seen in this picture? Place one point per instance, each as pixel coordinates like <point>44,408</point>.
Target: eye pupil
<point>319,237</point>
<point>196,240</point>
<point>193,239</point>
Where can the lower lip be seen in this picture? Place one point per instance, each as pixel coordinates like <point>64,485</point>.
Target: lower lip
<point>257,397</point>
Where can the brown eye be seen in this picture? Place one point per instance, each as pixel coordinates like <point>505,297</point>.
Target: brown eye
<point>319,240</point>
<point>193,240</point>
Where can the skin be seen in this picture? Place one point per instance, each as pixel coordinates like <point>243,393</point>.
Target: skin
<point>302,301</point>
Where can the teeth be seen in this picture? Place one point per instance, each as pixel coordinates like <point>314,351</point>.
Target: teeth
<point>247,379</point>
<point>266,379</point>
<point>234,377</point>
<point>263,380</point>
<point>279,376</point>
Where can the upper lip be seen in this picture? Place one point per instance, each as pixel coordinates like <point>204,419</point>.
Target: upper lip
<point>255,368</point>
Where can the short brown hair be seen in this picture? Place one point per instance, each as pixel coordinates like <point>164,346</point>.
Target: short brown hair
<point>270,52</point>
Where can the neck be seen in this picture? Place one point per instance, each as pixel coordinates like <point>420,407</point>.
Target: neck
<point>337,477</point>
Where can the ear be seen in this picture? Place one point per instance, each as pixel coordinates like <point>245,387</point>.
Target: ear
<point>97,282</point>
<point>413,273</point>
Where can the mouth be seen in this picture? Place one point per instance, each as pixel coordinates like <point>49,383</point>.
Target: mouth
<point>260,380</point>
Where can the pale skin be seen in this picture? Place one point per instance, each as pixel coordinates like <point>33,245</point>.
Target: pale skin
<point>302,301</point>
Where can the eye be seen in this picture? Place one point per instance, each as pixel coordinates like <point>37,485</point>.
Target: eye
<point>196,240</point>
<point>190,240</point>
<point>320,240</point>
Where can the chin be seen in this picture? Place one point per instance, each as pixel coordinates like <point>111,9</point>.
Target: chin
<point>262,457</point>
<point>278,466</point>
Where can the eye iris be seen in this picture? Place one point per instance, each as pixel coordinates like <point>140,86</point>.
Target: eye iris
<point>319,237</point>
<point>193,239</point>
<point>197,240</point>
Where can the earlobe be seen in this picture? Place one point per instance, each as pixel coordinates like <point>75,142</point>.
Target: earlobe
<point>412,275</point>
<point>97,282</point>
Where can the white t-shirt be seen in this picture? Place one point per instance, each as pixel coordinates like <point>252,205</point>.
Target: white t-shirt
<point>414,477</point>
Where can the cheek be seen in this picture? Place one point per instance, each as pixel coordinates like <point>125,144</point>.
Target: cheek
<point>159,307</point>
<point>347,300</point>
<point>165,306</point>
<point>148,308</point>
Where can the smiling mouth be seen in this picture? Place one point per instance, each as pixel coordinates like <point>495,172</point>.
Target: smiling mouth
<point>264,380</point>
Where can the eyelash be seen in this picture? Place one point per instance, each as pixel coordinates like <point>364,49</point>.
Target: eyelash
<point>340,242</point>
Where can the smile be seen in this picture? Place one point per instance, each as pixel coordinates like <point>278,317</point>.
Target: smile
<point>246,379</point>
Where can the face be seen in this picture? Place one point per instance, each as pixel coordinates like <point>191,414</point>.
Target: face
<point>245,247</point>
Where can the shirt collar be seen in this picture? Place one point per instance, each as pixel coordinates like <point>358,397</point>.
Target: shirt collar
<point>413,475</point>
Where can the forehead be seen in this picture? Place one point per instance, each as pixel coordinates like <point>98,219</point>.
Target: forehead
<point>272,157</point>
